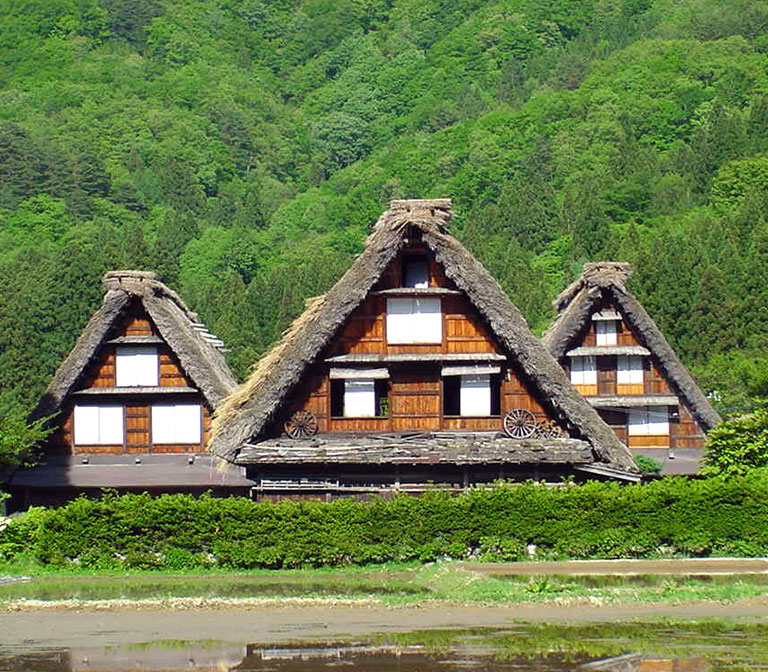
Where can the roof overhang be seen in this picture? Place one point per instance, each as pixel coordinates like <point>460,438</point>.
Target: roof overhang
<point>598,350</point>
<point>446,448</point>
<point>630,401</point>
<point>184,470</point>
<point>602,470</point>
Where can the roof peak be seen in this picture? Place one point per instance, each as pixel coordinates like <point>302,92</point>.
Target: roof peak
<point>134,282</point>
<point>411,204</point>
<point>596,274</point>
<point>427,214</point>
<point>605,273</point>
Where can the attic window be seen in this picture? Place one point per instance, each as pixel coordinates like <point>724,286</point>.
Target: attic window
<point>414,320</point>
<point>607,332</point>
<point>415,272</point>
<point>414,234</point>
<point>136,366</point>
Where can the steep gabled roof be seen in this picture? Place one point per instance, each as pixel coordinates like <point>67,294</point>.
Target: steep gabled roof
<point>197,350</point>
<point>245,414</point>
<point>607,279</point>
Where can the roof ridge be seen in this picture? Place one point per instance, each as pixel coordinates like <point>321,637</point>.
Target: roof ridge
<point>426,214</point>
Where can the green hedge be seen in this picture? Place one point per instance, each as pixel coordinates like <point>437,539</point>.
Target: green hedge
<point>595,520</point>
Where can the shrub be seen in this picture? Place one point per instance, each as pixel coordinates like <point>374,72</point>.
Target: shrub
<point>647,465</point>
<point>738,445</point>
<point>593,520</point>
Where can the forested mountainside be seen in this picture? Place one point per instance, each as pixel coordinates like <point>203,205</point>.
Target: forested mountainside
<point>242,148</point>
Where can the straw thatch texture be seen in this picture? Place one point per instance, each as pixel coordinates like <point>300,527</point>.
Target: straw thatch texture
<point>606,281</point>
<point>178,326</point>
<point>246,413</point>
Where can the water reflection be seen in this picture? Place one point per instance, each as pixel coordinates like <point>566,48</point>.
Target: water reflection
<point>182,656</point>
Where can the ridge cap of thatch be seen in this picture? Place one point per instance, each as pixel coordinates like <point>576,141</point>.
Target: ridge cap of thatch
<point>142,284</point>
<point>246,413</point>
<point>594,275</point>
<point>426,214</point>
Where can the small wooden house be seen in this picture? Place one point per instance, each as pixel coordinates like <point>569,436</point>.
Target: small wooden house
<point>132,403</point>
<point>621,363</point>
<point>414,370</point>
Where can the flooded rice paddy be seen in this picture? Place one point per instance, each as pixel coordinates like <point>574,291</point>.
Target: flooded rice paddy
<point>210,587</point>
<point>390,587</point>
<point>609,647</point>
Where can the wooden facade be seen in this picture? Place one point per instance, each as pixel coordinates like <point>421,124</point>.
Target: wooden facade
<point>684,431</point>
<point>99,386</point>
<point>415,388</point>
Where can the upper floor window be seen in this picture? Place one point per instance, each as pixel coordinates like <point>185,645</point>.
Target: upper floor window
<point>136,366</point>
<point>471,394</point>
<point>416,272</point>
<point>584,373</point>
<point>176,423</point>
<point>629,374</point>
<point>607,332</point>
<point>98,425</point>
<point>359,398</point>
<point>414,320</point>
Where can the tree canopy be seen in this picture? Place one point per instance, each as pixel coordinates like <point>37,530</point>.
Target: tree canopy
<point>241,148</point>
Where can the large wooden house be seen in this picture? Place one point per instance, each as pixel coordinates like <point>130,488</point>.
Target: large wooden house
<point>619,360</point>
<point>132,403</point>
<point>414,370</point>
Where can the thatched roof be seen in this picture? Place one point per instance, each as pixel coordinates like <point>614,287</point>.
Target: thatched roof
<point>606,280</point>
<point>198,351</point>
<point>246,413</point>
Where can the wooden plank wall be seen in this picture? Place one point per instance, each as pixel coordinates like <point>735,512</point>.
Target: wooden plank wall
<point>137,421</point>
<point>686,433</point>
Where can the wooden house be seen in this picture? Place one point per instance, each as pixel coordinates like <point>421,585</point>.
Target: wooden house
<point>621,363</point>
<point>132,403</point>
<point>414,370</point>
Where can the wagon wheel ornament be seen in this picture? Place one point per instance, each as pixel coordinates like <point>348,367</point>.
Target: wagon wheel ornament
<point>519,423</point>
<point>301,425</point>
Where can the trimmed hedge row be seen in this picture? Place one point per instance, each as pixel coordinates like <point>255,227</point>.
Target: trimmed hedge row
<point>723,516</point>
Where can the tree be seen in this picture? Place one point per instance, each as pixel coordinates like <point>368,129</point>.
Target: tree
<point>736,446</point>
<point>18,440</point>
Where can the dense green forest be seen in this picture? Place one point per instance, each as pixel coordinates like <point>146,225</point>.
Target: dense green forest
<point>242,148</point>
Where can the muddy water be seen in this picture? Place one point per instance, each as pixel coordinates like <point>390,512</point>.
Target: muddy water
<point>628,647</point>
